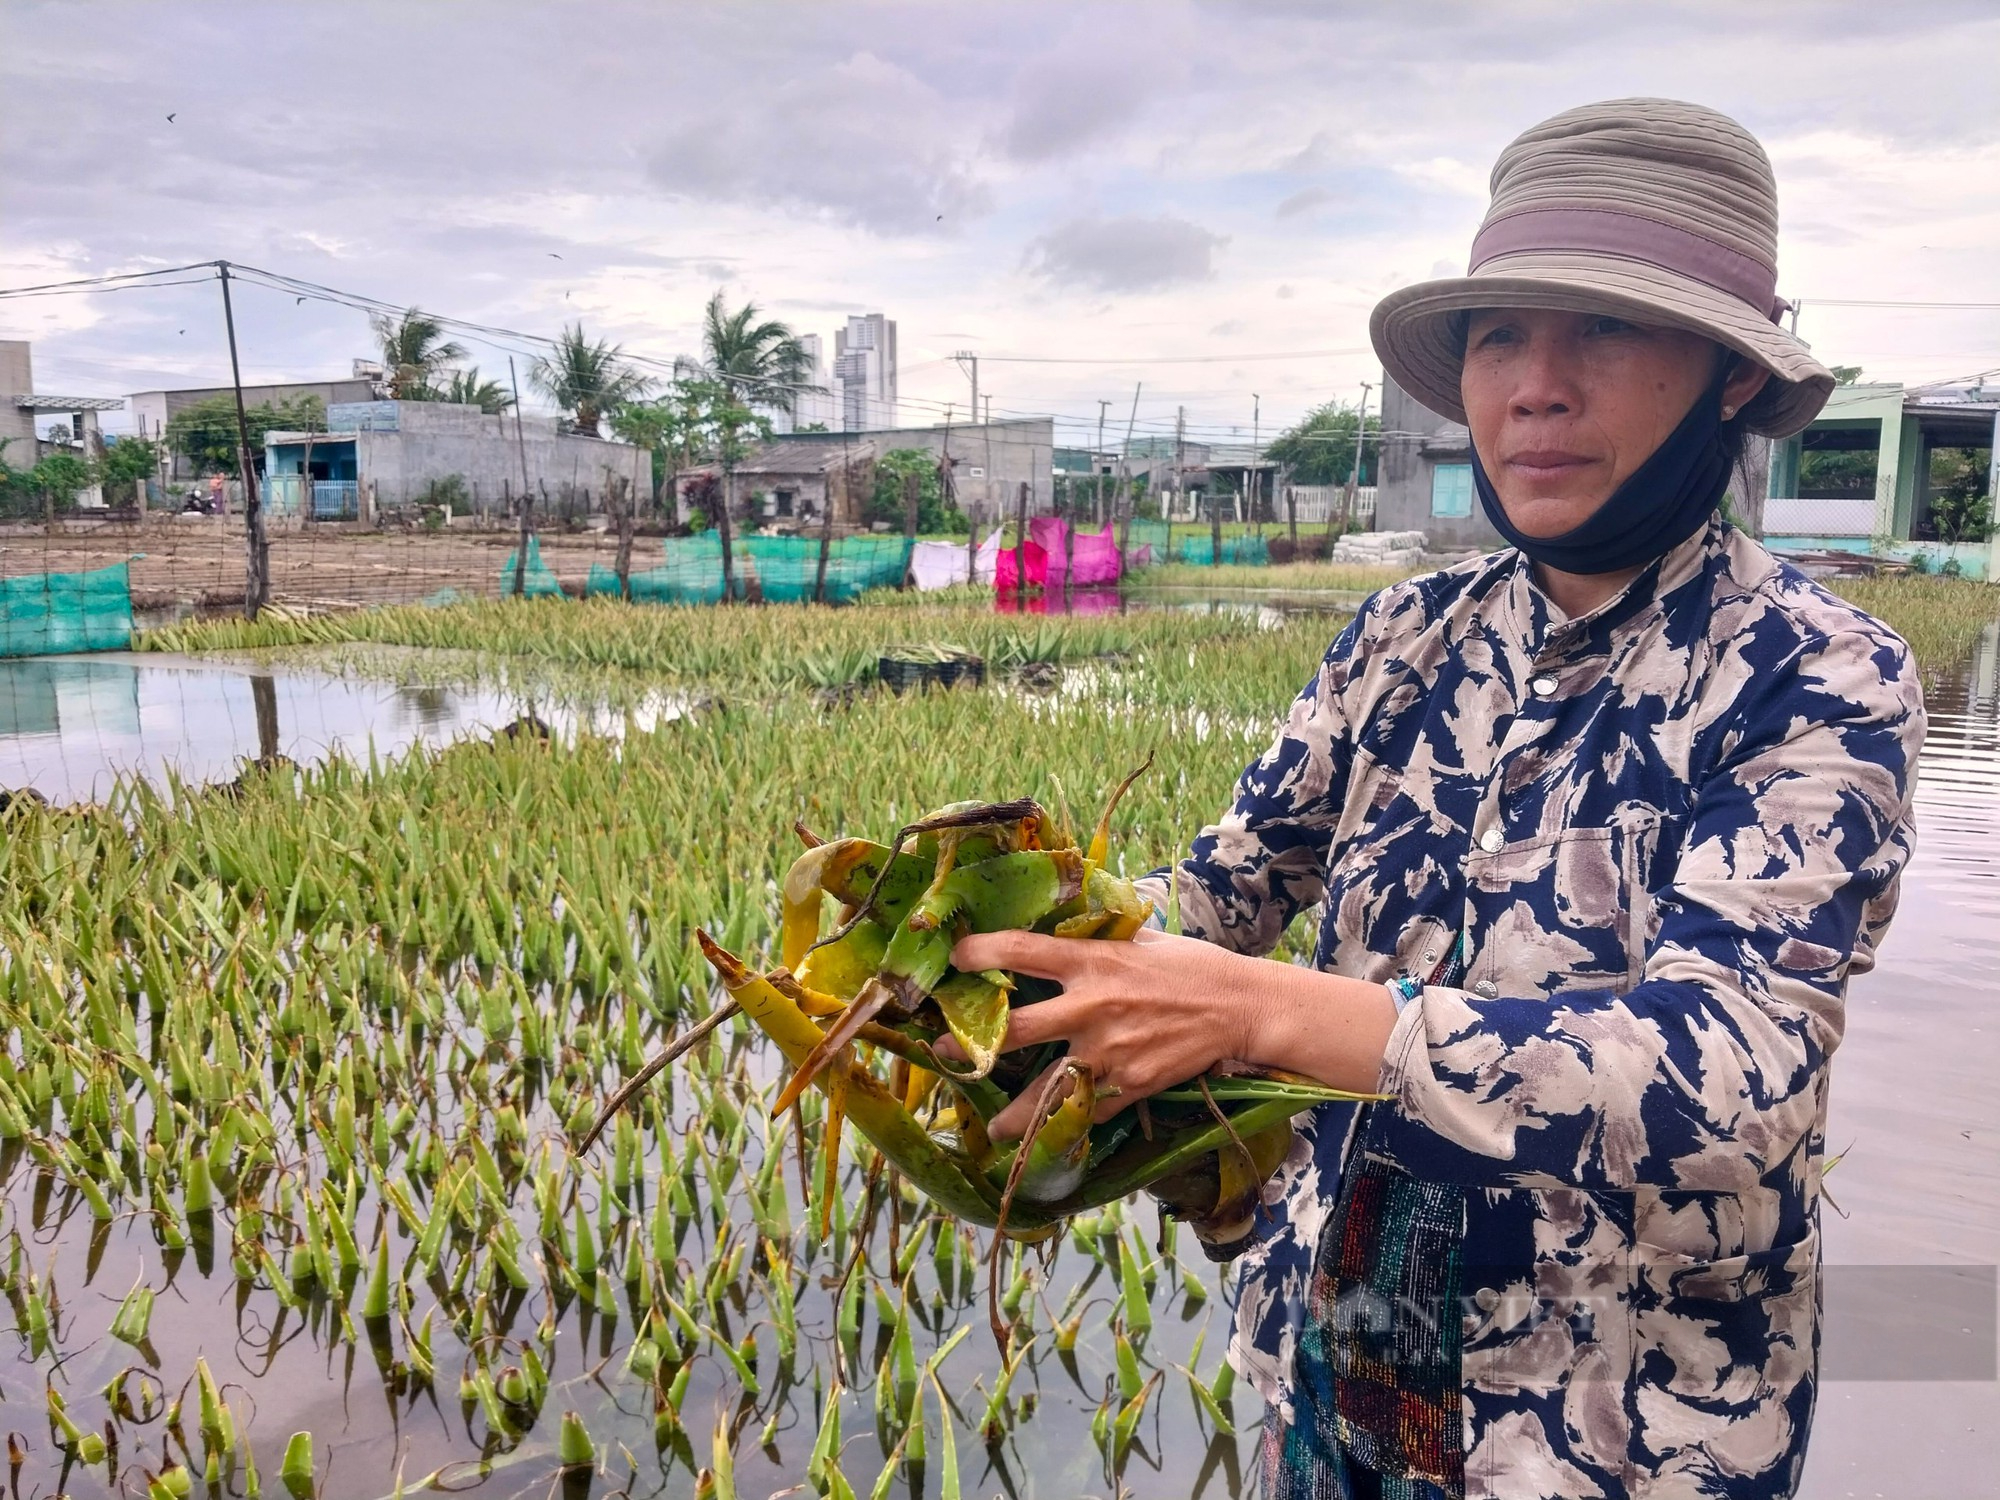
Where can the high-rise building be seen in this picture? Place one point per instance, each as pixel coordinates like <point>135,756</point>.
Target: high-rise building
<point>858,393</point>
<point>864,373</point>
<point>817,408</point>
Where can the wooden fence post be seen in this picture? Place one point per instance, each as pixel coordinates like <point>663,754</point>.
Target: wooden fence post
<point>619,495</point>
<point>912,500</point>
<point>826,540</point>
<point>1069,541</point>
<point>1021,543</point>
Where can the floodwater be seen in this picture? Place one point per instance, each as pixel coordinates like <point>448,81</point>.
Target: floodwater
<point>1266,606</point>
<point>71,725</point>
<point>1910,1404</point>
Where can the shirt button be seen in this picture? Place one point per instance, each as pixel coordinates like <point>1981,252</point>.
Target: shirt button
<point>1545,687</point>
<point>1492,840</point>
<point>1486,989</point>
<point>1430,955</point>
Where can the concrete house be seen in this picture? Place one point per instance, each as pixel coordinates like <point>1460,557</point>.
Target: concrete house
<point>153,410</point>
<point>21,404</point>
<point>1424,479</point>
<point>795,476</point>
<point>378,454</point>
<point>1861,478</point>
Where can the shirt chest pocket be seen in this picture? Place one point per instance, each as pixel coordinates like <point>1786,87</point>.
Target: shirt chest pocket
<point>1392,892</point>
<point>1564,911</point>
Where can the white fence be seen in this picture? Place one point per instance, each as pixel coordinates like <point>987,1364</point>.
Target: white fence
<point>1319,503</point>
<point>1829,517</point>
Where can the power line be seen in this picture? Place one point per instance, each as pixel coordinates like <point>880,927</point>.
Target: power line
<point>95,291</point>
<point>48,287</point>
<point>1170,359</point>
<point>1926,306</point>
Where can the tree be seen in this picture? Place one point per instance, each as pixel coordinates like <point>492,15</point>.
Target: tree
<point>205,432</point>
<point>1319,449</point>
<point>129,458</point>
<point>1960,508</point>
<point>465,388</point>
<point>590,381</point>
<point>14,487</point>
<point>1962,518</point>
<point>892,471</point>
<point>57,479</point>
<point>1845,374</point>
<point>760,363</point>
<point>680,429</point>
<point>415,352</point>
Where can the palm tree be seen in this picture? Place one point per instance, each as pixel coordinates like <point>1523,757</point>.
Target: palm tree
<point>467,389</point>
<point>589,381</point>
<point>759,363</point>
<point>752,363</point>
<point>414,351</point>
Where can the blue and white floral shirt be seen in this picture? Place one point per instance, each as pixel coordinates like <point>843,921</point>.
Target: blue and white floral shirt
<point>1668,831</point>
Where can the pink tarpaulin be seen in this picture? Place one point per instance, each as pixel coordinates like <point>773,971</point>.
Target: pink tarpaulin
<point>1096,558</point>
<point>1095,601</point>
<point>1006,574</point>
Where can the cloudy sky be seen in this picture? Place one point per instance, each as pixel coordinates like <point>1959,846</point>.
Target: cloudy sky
<point>1203,197</point>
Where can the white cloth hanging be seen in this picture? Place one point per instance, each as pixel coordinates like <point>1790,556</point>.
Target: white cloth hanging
<point>937,565</point>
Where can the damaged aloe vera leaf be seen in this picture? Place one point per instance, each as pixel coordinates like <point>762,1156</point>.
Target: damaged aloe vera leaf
<point>881,983</point>
<point>1060,1151</point>
<point>974,1007</point>
<point>870,1107</point>
<point>843,966</point>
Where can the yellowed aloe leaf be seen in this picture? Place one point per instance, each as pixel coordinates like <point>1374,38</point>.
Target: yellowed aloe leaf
<point>974,1007</point>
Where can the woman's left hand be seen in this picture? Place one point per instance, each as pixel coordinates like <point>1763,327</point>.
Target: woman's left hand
<point>1145,1015</point>
<point>1157,1011</point>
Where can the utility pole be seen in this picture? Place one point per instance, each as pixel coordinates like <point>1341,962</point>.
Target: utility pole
<point>257,572</point>
<point>1353,474</point>
<point>989,411</point>
<point>1096,477</point>
<point>521,449</point>
<point>1256,462</point>
<point>1118,505</point>
<point>948,494</point>
<point>969,359</point>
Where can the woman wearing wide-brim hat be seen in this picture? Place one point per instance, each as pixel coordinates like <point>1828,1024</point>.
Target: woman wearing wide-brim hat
<point>1601,824</point>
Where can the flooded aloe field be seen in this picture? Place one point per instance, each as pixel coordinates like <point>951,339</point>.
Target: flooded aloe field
<point>297,1067</point>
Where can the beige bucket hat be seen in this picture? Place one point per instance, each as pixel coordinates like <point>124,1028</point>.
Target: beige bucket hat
<point>1648,208</point>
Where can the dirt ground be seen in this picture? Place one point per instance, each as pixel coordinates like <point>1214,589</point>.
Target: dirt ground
<point>199,562</point>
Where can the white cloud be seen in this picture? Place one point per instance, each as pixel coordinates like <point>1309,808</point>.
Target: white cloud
<point>1126,254</point>
<point>864,141</point>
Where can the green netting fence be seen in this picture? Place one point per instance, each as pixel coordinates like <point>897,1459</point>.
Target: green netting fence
<point>1146,544</point>
<point>787,568</point>
<point>47,613</point>
<point>1199,548</point>
<point>540,578</point>
<point>781,570</point>
<point>682,580</point>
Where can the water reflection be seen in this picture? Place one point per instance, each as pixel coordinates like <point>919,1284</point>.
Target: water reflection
<point>69,727</point>
<point>1914,1110</point>
<point>1266,608</point>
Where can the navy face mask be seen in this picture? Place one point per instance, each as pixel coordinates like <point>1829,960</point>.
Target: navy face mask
<point>1667,499</point>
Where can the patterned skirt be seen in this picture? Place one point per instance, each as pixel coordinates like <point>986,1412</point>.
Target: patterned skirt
<point>1377,1408</point>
